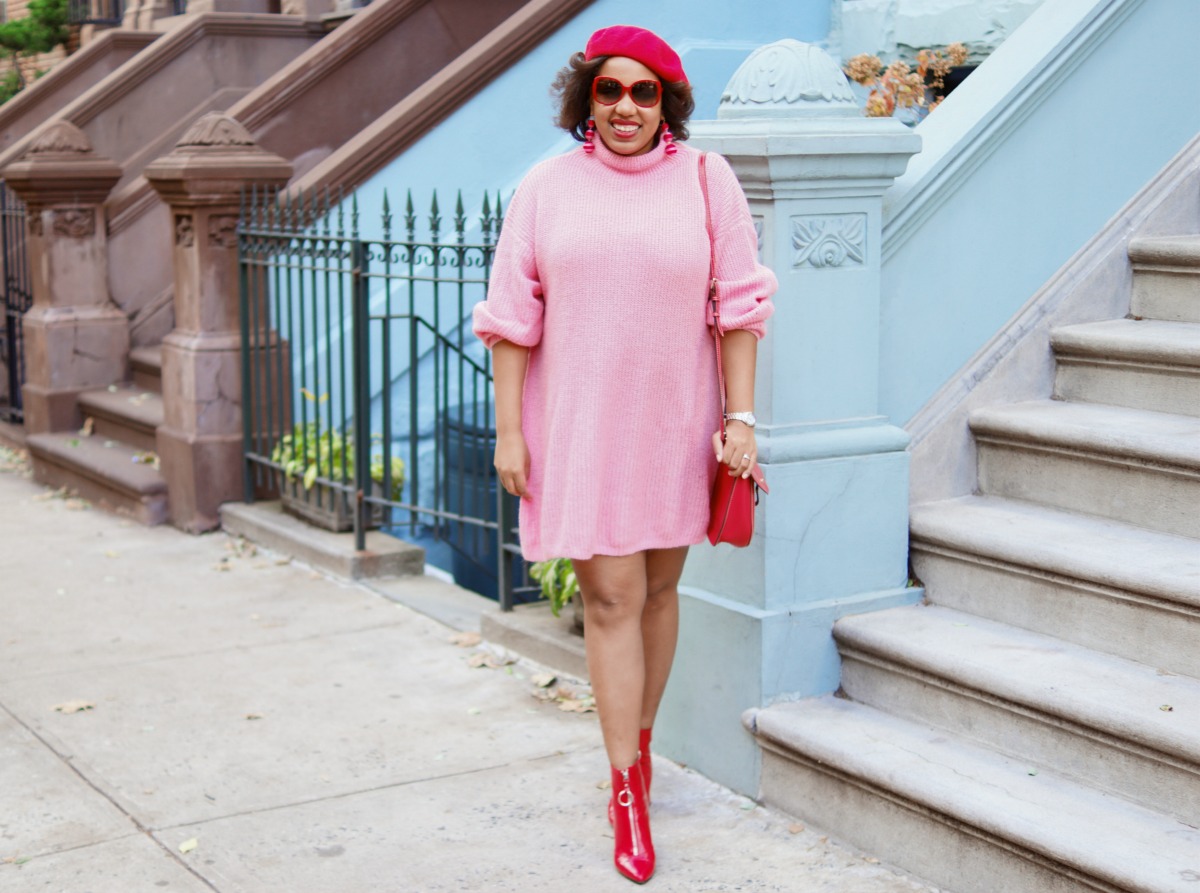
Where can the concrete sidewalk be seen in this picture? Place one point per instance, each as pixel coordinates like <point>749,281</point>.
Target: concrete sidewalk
<point>185,713</point>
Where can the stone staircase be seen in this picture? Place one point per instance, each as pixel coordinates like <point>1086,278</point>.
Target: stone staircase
<point>1035,726</point>
<point>115,464</point>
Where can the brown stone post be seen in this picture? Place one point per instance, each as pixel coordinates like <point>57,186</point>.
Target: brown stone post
<point>76,339</point>
<point>200,440</point>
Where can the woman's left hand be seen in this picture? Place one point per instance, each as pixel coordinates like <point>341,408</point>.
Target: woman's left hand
<point>739,451</point>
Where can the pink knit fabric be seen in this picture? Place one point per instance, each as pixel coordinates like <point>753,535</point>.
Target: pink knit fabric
<point>602,270</point>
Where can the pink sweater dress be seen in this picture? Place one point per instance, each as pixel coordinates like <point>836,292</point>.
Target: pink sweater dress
<point>602,270</point>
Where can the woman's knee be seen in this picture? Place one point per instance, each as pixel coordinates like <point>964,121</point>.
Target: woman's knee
<point>611,605</point>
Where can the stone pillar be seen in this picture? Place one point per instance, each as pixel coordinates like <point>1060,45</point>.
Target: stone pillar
<point>76,339</point>
<point>140,15</point>
<point>200,440</point>
<point>832,536</point>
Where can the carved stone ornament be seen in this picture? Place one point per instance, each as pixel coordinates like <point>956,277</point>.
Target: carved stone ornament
<point>77,223</point>
<point>34,216</point>
<point>829,240</point>
<point>222,230</point>
<point>185,234</point>
<point>216,130</point>
<point>785,79</point>
<point>61,137</point>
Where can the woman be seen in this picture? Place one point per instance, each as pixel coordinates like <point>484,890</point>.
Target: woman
<point>605,375</point>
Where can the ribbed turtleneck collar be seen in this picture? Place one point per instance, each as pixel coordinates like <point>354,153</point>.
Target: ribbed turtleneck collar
<point>630,164</point>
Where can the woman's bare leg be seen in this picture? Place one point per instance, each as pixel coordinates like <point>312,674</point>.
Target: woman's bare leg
<point>614,595</point>
<point>660,625</point>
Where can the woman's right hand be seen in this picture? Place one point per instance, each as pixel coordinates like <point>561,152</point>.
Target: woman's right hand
<point>512,463</point>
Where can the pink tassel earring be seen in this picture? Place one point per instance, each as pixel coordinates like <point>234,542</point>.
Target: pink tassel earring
<point>669,139</point>
<point>589,136</point>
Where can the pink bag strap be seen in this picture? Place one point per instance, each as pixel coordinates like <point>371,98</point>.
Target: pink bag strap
<point>714,295</point>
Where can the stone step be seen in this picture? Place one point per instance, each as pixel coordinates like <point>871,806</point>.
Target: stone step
<point>124,412</point>
<point>1114,724</point>
<point>107,472</point>
<point>1142,364</point>
<point>960,815</point>
<point>1129,465</point>
<point>146,365</point>
<point>1125,590</point>
<point>1166,278</point>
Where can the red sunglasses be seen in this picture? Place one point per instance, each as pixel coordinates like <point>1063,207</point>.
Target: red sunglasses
<point>608,91</point>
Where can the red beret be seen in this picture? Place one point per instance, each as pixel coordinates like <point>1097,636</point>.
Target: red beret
<point>638,44</point>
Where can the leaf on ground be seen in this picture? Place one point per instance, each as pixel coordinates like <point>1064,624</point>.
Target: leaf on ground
<point>871,859</point>
<point>795,828</point>
<point>466,639</point>
<point>89,425</point>
<point>476,660</point>
<point>1032,772</point>
<point>1166,708</point>
<point>604,785</point>
<point>188,845</point>
<point>578,705</point>
<point>78,505</point>
<point>474,711</point>
<point>253,716</point>
<point>748,805</point>
<point>543,680</point>
<point>74,706</point>
<point>146,457</point>
<point>112,553</point>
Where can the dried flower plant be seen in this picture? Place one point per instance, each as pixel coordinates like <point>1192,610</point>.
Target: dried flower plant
<point>899,86</point>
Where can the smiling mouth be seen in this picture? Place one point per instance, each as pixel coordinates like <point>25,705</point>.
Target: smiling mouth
<point>626,129</point>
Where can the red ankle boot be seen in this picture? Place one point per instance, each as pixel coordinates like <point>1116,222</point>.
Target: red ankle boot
<point>647,769</point>
<point>644,759</point>
<point>633,852</point>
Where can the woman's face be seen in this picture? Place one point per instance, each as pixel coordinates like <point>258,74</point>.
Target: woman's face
<point>626,127</point>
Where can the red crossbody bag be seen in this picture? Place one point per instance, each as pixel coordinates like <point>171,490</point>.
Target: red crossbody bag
<point>731,511</point>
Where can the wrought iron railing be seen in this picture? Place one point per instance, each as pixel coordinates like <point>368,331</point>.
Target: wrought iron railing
<point>365,394</point>
<point>17,299</point>
<point>95,12</point>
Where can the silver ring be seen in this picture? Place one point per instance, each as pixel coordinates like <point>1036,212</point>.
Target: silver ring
<point>746,457</point>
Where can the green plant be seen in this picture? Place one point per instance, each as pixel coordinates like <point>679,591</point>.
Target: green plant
<point>10,86</point>
<point>39,31</point>
<point>309,451</point>
<point>558,581</point>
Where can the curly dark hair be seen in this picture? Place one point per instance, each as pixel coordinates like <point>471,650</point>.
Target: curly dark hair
<point>573,88</point>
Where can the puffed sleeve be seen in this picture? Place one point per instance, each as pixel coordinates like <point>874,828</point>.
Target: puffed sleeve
<point>513,309</point>
<point>746,285</point>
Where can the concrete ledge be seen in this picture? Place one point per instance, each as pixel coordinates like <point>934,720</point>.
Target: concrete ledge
<point>12,435</point>
<point>532,630</point>
<point>438,599</point>
<point>266,524</point>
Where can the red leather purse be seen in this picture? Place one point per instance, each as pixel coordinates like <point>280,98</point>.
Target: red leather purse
<point>731,510</point>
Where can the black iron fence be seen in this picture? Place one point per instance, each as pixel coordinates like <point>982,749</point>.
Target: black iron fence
<point>95,12</point>
<point>368,402</point>
<point>18,298</point>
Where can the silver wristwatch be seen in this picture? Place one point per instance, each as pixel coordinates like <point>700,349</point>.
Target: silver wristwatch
<point>746,418</point>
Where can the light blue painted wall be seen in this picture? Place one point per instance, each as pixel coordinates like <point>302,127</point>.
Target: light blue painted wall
<point>497,136</point>
<point>1037,197</point>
